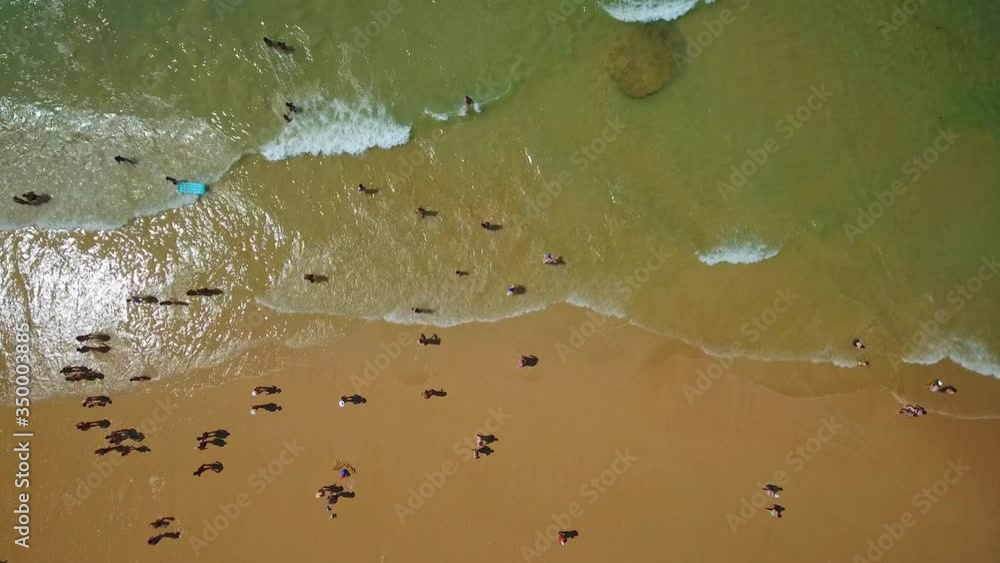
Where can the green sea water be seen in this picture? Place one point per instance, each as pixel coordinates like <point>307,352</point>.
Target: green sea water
<point>838,158</point>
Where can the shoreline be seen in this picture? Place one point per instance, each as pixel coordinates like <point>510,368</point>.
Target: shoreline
<point>813,376</point>
<point>559,426</point>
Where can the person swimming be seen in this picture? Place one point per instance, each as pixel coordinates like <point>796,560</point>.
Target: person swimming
<point>278,45</point>
<point>286,117</point>
<point>292,107</point>
<point>31,198</point>
<point>123,160</point>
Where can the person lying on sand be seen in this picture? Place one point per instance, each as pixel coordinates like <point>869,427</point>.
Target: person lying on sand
<point>913,411</point>
<point>162,522</point>
<point>428,393</point>
<point>938,386</point>
<point>103,349</point>
<point>97,401</point>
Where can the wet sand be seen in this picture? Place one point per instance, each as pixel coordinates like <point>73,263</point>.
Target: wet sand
<point>675,472</point>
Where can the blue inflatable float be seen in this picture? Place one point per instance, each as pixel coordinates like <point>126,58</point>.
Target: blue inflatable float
<point>193,188</point>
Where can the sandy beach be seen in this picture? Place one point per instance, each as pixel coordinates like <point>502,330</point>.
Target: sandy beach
<point>607,444</point>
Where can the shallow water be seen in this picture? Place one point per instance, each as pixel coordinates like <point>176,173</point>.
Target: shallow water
<point>645,199</point>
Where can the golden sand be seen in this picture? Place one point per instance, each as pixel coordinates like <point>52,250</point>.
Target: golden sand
<point>606,443</point>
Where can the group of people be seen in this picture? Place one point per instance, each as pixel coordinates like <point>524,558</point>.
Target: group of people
<point>159,523</point>
<point>117,438</point>
<point>88,339</point>
<point>214,437</point>
<point>911,411</point>
<point>81,373</point>
<point>774,491</point>
<point>265,390</point>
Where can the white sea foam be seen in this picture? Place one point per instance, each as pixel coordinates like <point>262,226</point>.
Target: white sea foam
<point>971,355</point>
<point>69,152</point>
<point>738,252</point>
<point>329,127</point>
<point>649,10</point>
<point>461,111</point>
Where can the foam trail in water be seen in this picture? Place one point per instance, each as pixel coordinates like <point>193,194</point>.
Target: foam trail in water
<point>738,252</point>
<point>649,10</point>
<point>329,127</point>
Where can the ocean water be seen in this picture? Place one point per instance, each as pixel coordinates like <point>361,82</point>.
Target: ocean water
<point>813,155</point>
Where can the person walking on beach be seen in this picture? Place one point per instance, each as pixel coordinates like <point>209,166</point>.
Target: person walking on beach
<point>214,466</point>
<point>775,510</point>
<point>262,390</point>
<point>156,539</point>
<point>122,160</point>
<point>213,434</point>
<point>424,340</point>
<point>104,423</point>
<point>269,407</point>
